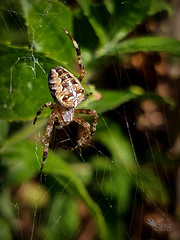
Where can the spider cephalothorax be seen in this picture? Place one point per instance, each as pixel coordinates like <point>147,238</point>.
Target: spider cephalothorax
<point>68,93</point>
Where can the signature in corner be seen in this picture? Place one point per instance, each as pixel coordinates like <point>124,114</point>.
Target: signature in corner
<point>158,226</point>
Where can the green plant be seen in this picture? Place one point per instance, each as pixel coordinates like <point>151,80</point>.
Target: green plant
<point>101,30</point>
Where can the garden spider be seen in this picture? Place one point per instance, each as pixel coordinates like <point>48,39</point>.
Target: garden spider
<point>68,93</point>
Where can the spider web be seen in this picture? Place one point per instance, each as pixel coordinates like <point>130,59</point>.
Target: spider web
<point>151,138</point>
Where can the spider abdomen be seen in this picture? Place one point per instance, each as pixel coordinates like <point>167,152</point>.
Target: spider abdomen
<point>66,89</point>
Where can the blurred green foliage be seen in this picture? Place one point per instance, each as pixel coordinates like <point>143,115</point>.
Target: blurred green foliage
<point>32,43</point>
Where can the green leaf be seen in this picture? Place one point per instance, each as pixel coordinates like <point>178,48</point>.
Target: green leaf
<point>23,160</point>
<point>119,187</point>
<point>116,185</point>
<point>112,98</point>
<point>45,22</point>
<point>158,6</point>
<point>63,218</point>
<point>110,6</point>
<point>12,25</point>
<point>4,131</point>
<point>95,18</point>
<point>7,209</point>
<point>127,15</point>
<point>60,169</point>
<point>151,185</point>
<point>118,146</point>
<point>162,44</point>
<point>5,231</point>
<point>24,85</point>
<point>115,19</point>
<point>25,132</point>
<point>125,160</point>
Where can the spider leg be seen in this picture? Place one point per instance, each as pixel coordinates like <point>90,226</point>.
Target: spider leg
<point>81,76</point>
<point>48,104</point>
<point>86,134</point>
<point>86,96</point>
<point>90,112</point>
<point>47,138</point>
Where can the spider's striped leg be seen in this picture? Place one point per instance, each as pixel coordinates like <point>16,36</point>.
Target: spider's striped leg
<point>86,96</point>
<point>47,138</point>
<point>86,134</point>
<point>90,112</point>
<point>81,76</point>
<point>48,104</point>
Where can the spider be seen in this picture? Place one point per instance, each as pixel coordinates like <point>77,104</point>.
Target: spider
<point>67,93</point>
